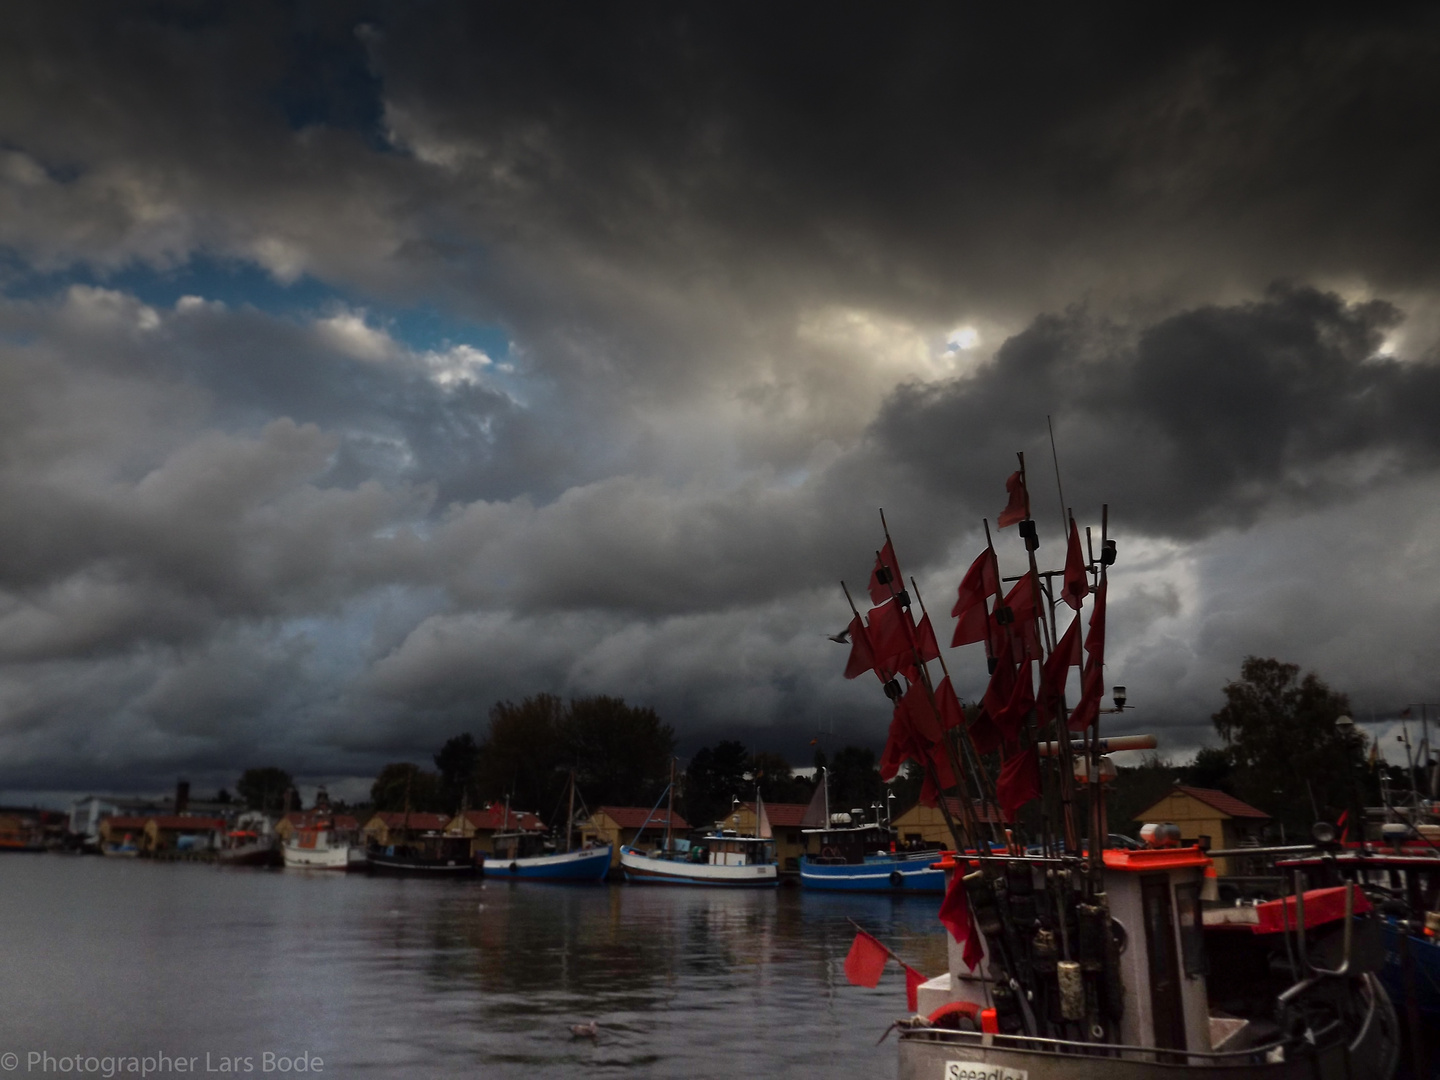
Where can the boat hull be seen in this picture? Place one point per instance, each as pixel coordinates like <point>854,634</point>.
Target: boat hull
<point>646,870</point>
<point>1371,1052</point>
<point>419,866</point>
<point>875,875</point>
<point>591,865</point>
<point>331,858</point>
<point>248,855</point>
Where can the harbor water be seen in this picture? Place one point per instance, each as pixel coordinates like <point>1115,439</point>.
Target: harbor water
<point>400,977</point>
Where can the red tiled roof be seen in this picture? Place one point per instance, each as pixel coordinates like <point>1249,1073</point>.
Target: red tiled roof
<point>632,817</point>
<point>1219,800</point>
<point>418,821</point>
<point>494,817</point>
<point>186,823</point>
<point>782,815</point>
<point>116,822</point>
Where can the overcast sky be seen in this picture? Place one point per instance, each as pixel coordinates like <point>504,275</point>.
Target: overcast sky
<point>363,365</point>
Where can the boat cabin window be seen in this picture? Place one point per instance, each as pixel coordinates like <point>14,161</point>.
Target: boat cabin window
<point>1192,930</point>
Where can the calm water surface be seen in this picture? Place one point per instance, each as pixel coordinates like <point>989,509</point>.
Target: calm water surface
<point>389,977</point>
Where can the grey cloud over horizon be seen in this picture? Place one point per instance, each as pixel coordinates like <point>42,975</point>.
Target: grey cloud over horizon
<point>729,255</point>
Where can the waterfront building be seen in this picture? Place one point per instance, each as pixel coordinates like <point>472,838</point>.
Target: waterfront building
<point>921,824</point>
<point>182,832</point>
<point>481,826</point>
<point>1210,818</point>
<point>620,825</point>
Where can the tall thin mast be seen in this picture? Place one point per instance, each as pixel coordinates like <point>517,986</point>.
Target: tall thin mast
<point>570,815</point>
<point>670,807</point>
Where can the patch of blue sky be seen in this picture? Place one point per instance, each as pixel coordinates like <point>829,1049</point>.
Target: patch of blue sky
<point>237,283</point>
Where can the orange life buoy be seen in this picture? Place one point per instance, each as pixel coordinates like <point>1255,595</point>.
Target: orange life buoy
<point>950,1014</point>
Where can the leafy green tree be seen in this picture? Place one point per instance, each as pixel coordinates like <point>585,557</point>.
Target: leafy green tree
<point>524,753</point>
<point>777,782</point>
<point>403,783</point>
<point>715,776</point>
<point>458,761</point>
<point>621,753</point>
<point>264,788</point>
<point>1212,768</point>
<point>854,780</point>
<point>1290,758</point>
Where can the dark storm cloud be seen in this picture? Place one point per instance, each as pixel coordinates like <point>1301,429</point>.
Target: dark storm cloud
<point>1201,420</point>
<point>726,246</point>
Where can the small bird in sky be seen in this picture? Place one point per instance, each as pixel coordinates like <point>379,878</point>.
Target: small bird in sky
<point>842,638</point>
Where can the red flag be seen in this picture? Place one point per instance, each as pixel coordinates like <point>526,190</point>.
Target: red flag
<point>1016,615</point>
<point>951,714</point>
<point>913,981</point>
<point>1002,679</point>
<point>862,659</point>
<point>1077,584</point>
<point>1095,639</point>
<point>865,961</point>
<point>955,916</point>
<point>1018,508</point>
<point>925,640</point>
<point>983,733</point>
<point>1019,782</point>
<point>924,725</point>
<point>892,637</point>
<point>979,583</point>
<point>1062,658</point>
<point>1092,689</point>
<point>885,575</point>
<point>974,625</point>
<point>898,748</point>
<point>1019,704</point>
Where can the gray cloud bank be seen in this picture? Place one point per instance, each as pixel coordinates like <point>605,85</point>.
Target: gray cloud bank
<point>728,251</point>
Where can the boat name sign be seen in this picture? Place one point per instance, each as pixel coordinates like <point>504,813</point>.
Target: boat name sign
<point>982,1070</point>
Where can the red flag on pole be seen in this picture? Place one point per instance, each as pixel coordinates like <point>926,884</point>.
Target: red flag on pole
<point>865,961</point>
<point>862,658</point>
<point>1018,508</point>
<point>925,640</point>
<point>984,734</point>
<point>1019,782</point>
<point>913,981</point>
<point>951,714</point>
<point>885,575</point>
<point>892,638</point>
<point>1016,615</point>
<point>955,916</point>
<point>1077,584</point>
<point>980,582</point>
<point>1062,658</point>
<point>924,725</point>
<point>1019,704</point>
<point>1095,639</point>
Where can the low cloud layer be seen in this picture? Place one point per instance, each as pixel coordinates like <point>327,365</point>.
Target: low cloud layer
<point>362,369</point>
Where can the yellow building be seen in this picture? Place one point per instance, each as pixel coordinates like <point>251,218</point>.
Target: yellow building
<point>926,824</point>
<point>480,826</point>
<point>616,825</point>
<point>1210,818</point>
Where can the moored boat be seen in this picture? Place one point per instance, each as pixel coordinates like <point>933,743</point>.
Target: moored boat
<point>530,856</point>
<point>426,856</point>
<point>719,859</point>
<point>316,847</point>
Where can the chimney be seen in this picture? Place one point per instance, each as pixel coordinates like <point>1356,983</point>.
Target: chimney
<point>182,796</point>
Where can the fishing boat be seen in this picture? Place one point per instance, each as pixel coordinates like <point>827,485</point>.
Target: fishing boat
<point>1068,959</point>
<point>720,858</point>
<point>247,847</point>
<point>850,854</point>
<point>317,845</point>
<point>529,856</point>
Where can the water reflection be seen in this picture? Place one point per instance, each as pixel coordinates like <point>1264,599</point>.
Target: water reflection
<point>380,975</point>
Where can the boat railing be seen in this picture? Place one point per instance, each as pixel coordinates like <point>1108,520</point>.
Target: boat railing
<point>1248,1055</point>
